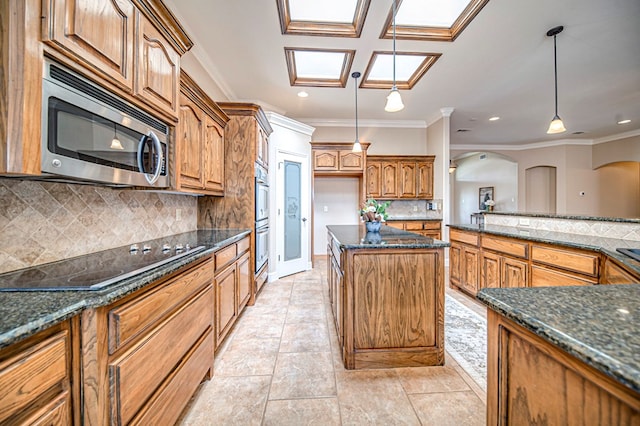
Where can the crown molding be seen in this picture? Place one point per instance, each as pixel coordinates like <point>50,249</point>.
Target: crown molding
<point>618,136</point>
<point>289,123</point>
<point>535,145</point>
<point>338,122</point>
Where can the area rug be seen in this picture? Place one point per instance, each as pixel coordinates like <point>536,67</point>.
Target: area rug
<point>466,339</point>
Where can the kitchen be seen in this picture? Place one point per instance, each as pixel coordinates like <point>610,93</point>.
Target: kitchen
<point>48,221</point>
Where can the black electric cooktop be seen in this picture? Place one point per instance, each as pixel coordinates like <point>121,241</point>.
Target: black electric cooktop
<point>99,270</point>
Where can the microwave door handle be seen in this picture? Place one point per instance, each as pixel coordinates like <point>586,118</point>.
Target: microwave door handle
<point>151,178</point>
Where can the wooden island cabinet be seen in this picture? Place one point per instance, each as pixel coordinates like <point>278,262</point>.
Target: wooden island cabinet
<point>387,297</point>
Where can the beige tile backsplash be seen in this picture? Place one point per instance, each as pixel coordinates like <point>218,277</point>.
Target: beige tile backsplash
<point>43,222</point>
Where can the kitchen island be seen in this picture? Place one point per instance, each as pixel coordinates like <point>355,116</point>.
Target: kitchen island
<point>387,296</point>
<point>563,355</point>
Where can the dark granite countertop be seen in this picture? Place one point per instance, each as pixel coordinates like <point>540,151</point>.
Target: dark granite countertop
<point>409,218</point>
<point>567,216</point>
<point>596,324</point>
<point>23,313</point>
<point>357,237</point>
<point>603,245</point>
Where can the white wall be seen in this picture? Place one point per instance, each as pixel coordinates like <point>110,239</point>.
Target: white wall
<point>384,140</point>
<point>340,197</point>
<point>619,191</point>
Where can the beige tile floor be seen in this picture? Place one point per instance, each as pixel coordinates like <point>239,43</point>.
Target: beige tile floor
<point>281,366</point>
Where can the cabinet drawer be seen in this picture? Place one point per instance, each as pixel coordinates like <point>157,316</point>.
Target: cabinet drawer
<point>583,263</point>
<point>137,374</point>
<point>128,320</point>
<point>463,237</point>
<point>56,412</point>
<point>225,256</point>
<point>243,245</point>
<point>32,372</point>
<point>513,248</point>
<point>168,405</point>
<point>410,226</point>
<point>397,225</point>
<point>542,277</point>
<point>432,225</point>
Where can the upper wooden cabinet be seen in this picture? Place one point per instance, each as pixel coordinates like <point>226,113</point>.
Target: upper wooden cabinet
<point>157,68</point>
<point>132,46</point>
<point>397,177</point>
<point>199,141</point>
<point>338,158</point>
<point>99,35</point>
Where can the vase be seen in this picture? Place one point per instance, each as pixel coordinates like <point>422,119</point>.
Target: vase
<point>373,226</point>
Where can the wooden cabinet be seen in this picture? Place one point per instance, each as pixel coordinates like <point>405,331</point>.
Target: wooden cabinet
<point>338,158</point>
<point>200,141</point>
<point>504,262</point>
<point>464,256</point>
<point>246,133</point>
<point>427,228</point>
<point>145,355</point>
<point>99,35</point>
<point>36,378</point>
<point>613,273</point>
<point>399,177</point>
<point>553,265</point>
<point>233,284</point>
<point>529,379</point>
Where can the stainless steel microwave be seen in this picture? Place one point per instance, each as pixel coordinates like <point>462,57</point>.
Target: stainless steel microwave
<point>89,134</point>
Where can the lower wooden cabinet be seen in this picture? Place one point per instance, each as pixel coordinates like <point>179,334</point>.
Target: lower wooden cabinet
<point>464,259</point>
<point>427,228</point>
<point>504,262</point>
<point>36,379</point>
<point>529,379</point>
<point>612,273</point>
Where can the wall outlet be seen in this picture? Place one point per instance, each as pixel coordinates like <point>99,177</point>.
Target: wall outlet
<point>523,221</point>
<point>415,208</point>
<point>178,215</point>
<point>325,209</point>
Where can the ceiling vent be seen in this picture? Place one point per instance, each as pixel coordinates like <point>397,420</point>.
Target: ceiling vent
<point>463,130</point>
<point>483,156</point>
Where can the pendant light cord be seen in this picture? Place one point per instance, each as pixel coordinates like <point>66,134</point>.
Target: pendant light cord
<point>555,71</point>
<point>394,43</point>
<point>356,75</point>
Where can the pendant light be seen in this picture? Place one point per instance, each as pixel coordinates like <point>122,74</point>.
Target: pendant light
<point>556,126</point>
<point>356,145</point>
<point>115,142</point>
<point>394,100</point>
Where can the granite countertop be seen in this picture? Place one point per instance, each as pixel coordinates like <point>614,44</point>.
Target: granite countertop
<point>596,324</point>
<point>357,237</point>
<point>409,218</point>
<point>23,313</point>
<point>567,216</point>
<point>603,245</point>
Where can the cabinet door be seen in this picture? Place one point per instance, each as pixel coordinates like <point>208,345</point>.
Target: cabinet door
<point>213,156</point>
<point>157,68</point>
<point>325,160</point>
<point>226,305</point>
<point>389,180</point>
<point>455,259</point>
<point>373,180</point>
<point>351,161</point>
<point>190,144</point>
<point>490,270</point>
<point>244,281</point>
<point>514,273</point>
<point>425,180</point>
<point>470,271</point>
<point>407,187</point>
<point>262,148</point>
<point>338,288</point>
<point>96,34</point>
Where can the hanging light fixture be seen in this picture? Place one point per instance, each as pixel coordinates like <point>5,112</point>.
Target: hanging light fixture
<point>394,100</point>
<point>556,126</point>
<point>356,145</point>
<point>452,166</point>
<point>115,142</point>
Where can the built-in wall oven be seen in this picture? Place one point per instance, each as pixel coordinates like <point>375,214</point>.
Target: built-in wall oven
<point>90,134</point>
<point>262,218</point>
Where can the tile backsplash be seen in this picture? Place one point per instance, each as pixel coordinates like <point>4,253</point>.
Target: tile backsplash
<point>415,209</point>
<point>43,222</point>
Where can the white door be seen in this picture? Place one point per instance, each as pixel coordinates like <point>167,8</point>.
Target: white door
<point>293,208</point>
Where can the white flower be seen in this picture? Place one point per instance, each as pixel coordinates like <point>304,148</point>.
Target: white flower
<point>371,209</point>
<point>489,203</point>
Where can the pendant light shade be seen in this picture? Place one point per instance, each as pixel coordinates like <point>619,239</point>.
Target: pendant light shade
<point>394,100</point>
<point>556,126</point>
<point>356,145</point>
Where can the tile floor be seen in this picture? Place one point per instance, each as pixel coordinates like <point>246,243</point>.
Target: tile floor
<point>281,366</point>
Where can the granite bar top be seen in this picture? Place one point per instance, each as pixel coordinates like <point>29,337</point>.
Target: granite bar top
<point>603,245</point>
<point>567,216</point>
<point>24,313</point>
<point>409,218</point>
<point>357,237</point>
<point>596,324</point>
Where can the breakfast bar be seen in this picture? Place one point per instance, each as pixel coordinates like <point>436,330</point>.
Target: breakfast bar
<point>387,295</point>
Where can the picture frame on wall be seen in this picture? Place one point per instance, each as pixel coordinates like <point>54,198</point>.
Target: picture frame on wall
<point>486,193</point>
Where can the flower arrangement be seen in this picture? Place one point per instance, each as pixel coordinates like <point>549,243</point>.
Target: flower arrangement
<point>374,211</point>
<point>490,203</point>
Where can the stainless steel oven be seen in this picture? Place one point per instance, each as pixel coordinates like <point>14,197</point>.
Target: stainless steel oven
<point>262,218</point>
<point>262,247</point>
<point>90,134</point>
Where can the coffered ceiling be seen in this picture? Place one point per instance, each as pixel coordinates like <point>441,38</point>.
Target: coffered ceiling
<point>500,63</point>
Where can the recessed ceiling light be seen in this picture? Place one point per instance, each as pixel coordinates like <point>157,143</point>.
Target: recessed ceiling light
<point>495,118</point>
<point>303,94</point>
<point>624,121</point>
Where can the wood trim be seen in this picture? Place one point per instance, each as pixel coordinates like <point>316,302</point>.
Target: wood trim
<point>166,22</point>
<point>406,158</point>
<point>429,60</point>
<point>326,29</point>
<point>341,81</point>
<point>247,109</point>
<point>190,88</point>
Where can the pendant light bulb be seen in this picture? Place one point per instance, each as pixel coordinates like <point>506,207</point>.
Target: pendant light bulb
<point>357,147</point>
<point>556,126</point>
<point>394,101</point>
<point>115,142</point>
